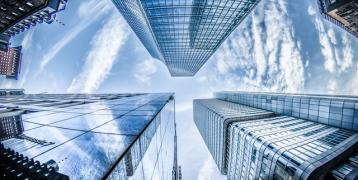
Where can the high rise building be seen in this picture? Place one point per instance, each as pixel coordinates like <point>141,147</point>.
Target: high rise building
<point>4,42</point>
<point>10,62</point>
<point>10,124</point>
<point>280,136</point>
<point>213,126</point>
<point>19,15</point>
<point>338,111</point>
<point>92,136</point>
<point>343,13</point>
<point>183,34</point>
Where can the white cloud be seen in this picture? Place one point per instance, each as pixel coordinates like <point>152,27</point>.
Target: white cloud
<point>311,10</point>
<point>26,45</point>
<point>144,70</point>
<point>332,36</point>
<point>88,13</point>
<point>201,79</point>
<point>307,63</point>
<point>326,48</point>
<point>264,55</point>
<point>332,86</point>
<point>347,58</point>
<point>185,106</point>
<point>336,58</point>
<point>28,39</point>
<point>101,56</point>
<point>208,171</point>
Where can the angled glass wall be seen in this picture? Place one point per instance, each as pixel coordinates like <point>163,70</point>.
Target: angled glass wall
<point>186,32</point>
<point>99,136</point>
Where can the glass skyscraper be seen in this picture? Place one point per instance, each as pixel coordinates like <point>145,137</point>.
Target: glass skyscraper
<point>280,136</point>
<point>183,34</point>
<point>109,136</point>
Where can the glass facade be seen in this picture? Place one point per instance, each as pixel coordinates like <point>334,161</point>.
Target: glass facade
<point>280,136</point>
<point>132,12</point>
<point>109,136</point>
<point>342,13</point>
<point>347,170</point>
<point>338,111</point>
<point>283,148</point>
<point>212,118</point>
<point>186,32</point>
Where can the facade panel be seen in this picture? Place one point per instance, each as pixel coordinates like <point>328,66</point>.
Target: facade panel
<point>185,32</point>
<point>284,148</point>
<point>337,111</point>
<point>343,13</point>
<point>212,118</point>
<point>304,136</point>
<point>110,136</point>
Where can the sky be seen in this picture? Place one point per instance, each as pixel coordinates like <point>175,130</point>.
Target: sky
<point>281,47</point>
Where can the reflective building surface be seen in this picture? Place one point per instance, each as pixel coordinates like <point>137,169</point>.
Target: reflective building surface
<point>18,15</point>
<point>213,126</point>
<point>4,42</point>
<point>109,136</point>
<point>280,136</point>
<point>183,34</point>
<point>343,13</point>
<point>338,111</point>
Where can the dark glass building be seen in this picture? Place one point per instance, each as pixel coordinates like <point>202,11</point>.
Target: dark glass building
<point>10,62</point>
<point>10,124</point>
<point>280,136</point>
<point>183,34</point>
<point>343,13</point>
<point>19,15</point>
<point>92,136</point>
<point>4,42</point>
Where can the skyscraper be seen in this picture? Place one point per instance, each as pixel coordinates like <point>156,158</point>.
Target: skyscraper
<point>213,126</point>
<point>183,34</point>
<point>343,13</point>
<point>17,16</point>
<point>280,136</point>
<point>10,124</point>
<point>110,136</point>
<point>10,62</point>
<point>4,42</point>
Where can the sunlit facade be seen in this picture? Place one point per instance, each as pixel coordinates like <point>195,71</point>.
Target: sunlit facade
<point>286,148</point>
<point>212,117</point>
<point>109,136</point>
<point>280,136</point>
<point>183,34</point>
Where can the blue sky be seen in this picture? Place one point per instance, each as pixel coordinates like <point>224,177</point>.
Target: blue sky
<point>281,47</point>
